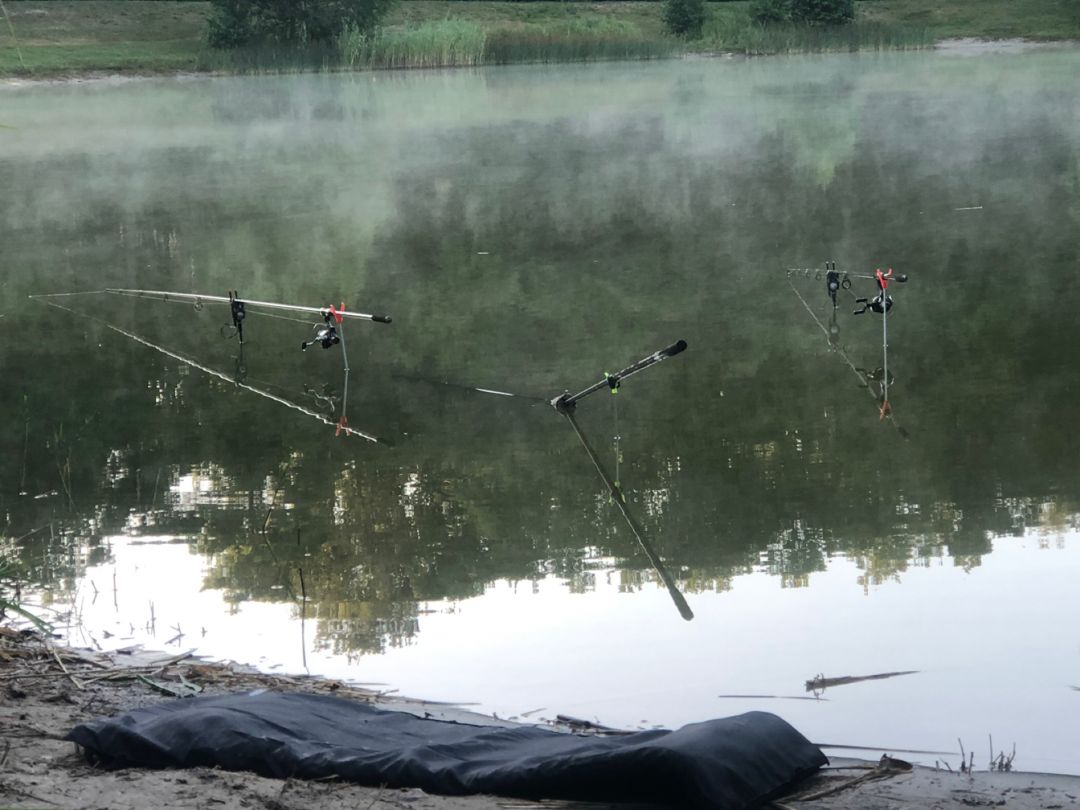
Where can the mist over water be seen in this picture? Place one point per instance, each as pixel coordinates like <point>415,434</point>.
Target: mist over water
<point>530,229</point>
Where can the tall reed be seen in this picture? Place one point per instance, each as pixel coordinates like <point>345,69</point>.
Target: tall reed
<point>442,43</point>
<point>574,41</point>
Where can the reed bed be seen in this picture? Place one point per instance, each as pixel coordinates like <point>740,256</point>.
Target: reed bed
<point>738,33</point>
<point>458,43</point>
<point>464,43</point>
<point>444,43</point>
<point>575,41</point>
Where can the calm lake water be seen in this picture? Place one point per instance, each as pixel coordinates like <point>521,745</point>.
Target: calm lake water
<point>530,229</point>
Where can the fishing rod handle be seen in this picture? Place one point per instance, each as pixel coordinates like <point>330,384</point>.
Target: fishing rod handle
<point>381,318</point>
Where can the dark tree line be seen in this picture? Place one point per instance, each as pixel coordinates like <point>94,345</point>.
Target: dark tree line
<point>234,23</point>
<point>686,18</point>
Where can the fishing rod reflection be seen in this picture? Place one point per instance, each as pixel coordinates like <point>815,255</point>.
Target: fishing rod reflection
<point>876,380</point>
<point>566,405</point>
<point>618,497</point>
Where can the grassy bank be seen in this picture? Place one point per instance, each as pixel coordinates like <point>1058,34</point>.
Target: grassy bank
<point>65,37</point>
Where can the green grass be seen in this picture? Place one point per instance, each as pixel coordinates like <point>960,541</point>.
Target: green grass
<point>986,19</point>
<point>644,16</point>
<point>115,36</point>
<point>72,37</point>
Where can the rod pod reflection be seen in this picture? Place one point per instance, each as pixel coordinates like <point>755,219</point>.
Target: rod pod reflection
<point>566,404</point>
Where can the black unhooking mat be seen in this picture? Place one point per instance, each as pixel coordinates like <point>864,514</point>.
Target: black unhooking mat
<point>730,763</point>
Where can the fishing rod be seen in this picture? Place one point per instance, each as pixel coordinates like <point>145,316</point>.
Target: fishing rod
<point>564,400</point>
<point>836,280</point>
<point>341,426</point>
<point>612,382</point>
<point>620,500</point>
<point>327,334</point>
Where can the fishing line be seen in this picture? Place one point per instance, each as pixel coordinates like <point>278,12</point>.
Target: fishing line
<point>343,420</point>
<point>279,317</point>
<point>66,294</point>
<point>885,362</point>
<point>616,438</point>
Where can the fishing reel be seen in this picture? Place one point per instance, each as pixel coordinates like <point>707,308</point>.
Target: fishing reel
<point>834,281</point>
<point>238,313</point>
<point>326,333</point>
<point>882,302</point>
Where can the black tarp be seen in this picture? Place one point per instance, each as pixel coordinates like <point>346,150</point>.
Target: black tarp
<point>734,762</point>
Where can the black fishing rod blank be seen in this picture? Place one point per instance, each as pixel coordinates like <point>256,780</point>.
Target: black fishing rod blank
<point>565,401</point>
<point>198,300</point>
<point>620,501</point>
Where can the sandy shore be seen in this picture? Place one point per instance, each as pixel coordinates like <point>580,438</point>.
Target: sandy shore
<point>45,690</point>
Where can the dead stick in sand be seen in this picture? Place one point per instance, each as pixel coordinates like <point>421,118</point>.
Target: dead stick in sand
<point>70,677</point>
<point>847,783</point>
<point>12,789</point>
<point>169,662</point>
<point>377,797</point>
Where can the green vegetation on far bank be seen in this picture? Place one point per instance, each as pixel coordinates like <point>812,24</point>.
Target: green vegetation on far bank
<point>71,37</point>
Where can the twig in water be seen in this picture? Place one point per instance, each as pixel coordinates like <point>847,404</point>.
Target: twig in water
<point>179,634</point>
<point>819,682</point>
<point>303,612</point>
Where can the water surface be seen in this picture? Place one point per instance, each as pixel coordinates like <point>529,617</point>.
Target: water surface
<point>530,229</point>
